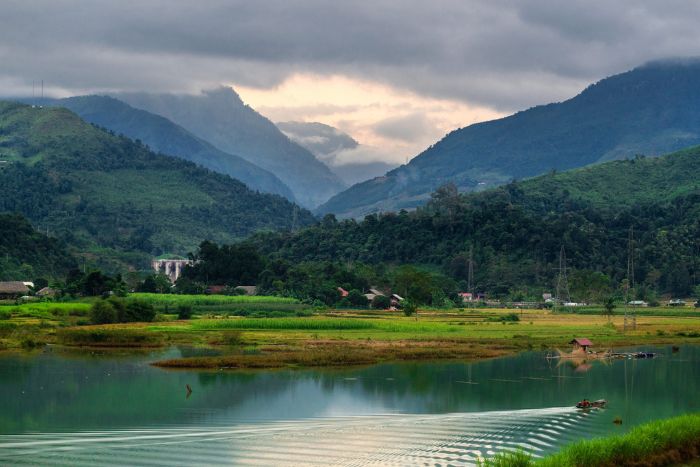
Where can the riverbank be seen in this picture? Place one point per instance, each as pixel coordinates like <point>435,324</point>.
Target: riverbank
<point>670,442</point>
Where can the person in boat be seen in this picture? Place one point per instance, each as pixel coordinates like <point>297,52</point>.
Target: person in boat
<point>584,404</point>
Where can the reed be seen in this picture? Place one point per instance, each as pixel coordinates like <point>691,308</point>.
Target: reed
<point>671,441</point>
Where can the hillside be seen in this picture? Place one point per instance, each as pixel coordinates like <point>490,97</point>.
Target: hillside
<point>162,135</point>
<point>26,254</point>
<point>107,194</point>
<point>338,150</point>
<point>221,118</point>
<point>653,109</point>
<point>517,230</point>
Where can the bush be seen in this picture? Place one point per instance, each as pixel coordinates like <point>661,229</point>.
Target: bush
<point>139,310</point>
<point>184,312</point>
<point>381,302</point>
<point>409,308</point>
<point>116,310</point>
<point>5,314</point>
<point>103,312</point>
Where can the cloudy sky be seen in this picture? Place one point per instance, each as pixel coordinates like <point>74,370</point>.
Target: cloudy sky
<point>396,75</point>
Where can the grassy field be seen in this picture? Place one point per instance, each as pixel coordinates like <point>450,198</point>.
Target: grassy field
<point>670,442</point>
<point>334,337</point>
<point>236,305</point>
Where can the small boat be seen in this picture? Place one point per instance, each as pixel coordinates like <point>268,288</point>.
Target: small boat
<point>586,404</point>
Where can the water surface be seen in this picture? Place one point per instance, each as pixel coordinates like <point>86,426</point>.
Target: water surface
<point>95,409</point>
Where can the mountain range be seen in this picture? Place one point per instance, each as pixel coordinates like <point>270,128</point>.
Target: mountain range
<point>162,135</point>
<point>650,110</point>
<point>115,200</point>
<point>220,117</point>
<point>338,150</point>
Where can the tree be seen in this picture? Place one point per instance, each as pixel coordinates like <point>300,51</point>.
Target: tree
<point>609,307</point>
<point>355,298</point>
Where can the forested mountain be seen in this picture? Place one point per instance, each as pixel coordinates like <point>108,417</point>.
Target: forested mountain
<point>220,117</point>
<point>162,135</point>
<point>516,231</point>
<point>108,194</point>
<point>338,150</point>
<point>653,109</point>
<point>26,254</point>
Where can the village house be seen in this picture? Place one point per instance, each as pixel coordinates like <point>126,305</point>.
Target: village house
<point>13,290</point>
<point>343,293</point>
<point>466,296</point>
<point>396,300</point>
<point>373,292</point>
<point>47,292</point>
<point>581,345</point>
<point>248,289</point>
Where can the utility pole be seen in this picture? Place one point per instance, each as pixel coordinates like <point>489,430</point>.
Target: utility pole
<point>563,295</point>
<point>470,274</point>
<point>630,282</point>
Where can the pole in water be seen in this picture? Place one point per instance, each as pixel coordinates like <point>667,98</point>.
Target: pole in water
<point>189,390</point>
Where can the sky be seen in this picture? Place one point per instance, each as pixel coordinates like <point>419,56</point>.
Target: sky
<point>396,75</point>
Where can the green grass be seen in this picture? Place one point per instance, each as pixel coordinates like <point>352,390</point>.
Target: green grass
<point>325,324</point>
<point>47,310</point>
<point>663,441</point>
<point>194,300</point>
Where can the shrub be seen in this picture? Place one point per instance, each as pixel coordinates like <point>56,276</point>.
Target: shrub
<point>381,302</point>
<point>139,310</point>
<point>409,308</point>
<point>5,314</point>
<point>184,312</point>
<point>103,312</point>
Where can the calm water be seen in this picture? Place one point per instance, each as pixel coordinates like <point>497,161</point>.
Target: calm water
<point>77,409</point>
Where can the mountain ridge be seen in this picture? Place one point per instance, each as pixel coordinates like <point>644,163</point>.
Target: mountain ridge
<point>220,117</point>
<point>651,109</point>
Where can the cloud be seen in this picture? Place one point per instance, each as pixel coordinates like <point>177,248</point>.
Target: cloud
<point>505,55</point>
<point>407,128</point>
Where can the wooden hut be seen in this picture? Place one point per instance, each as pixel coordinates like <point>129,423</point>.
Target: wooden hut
<point>581,344</point>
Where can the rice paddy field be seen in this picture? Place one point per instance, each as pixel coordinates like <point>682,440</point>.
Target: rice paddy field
<point>265,332</point>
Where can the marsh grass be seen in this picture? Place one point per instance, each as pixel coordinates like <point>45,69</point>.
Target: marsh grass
<point>662,442</point>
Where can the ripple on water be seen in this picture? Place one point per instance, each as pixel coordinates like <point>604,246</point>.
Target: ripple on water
<point>445,439</point>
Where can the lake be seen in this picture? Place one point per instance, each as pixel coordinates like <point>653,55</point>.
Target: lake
<point>81,408</point>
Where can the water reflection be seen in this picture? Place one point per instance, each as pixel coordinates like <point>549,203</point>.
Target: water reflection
<point>400,413</point>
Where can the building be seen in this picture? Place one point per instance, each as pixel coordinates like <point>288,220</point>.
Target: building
<point>343,293</point>
<point>13,290</point>
<point>396,300</point>
<point>249,289</point>
<point>46,292</point>
<point>581,344</point>
<point>547,297</point>
<point>641,303</point>
<point>466,296</point>
<point>170,267</point>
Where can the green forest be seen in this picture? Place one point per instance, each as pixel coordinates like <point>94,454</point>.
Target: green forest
<point>115,202</point>
<point>515,233</point>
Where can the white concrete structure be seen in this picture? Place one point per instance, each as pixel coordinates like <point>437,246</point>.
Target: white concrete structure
<point>170,267</point>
